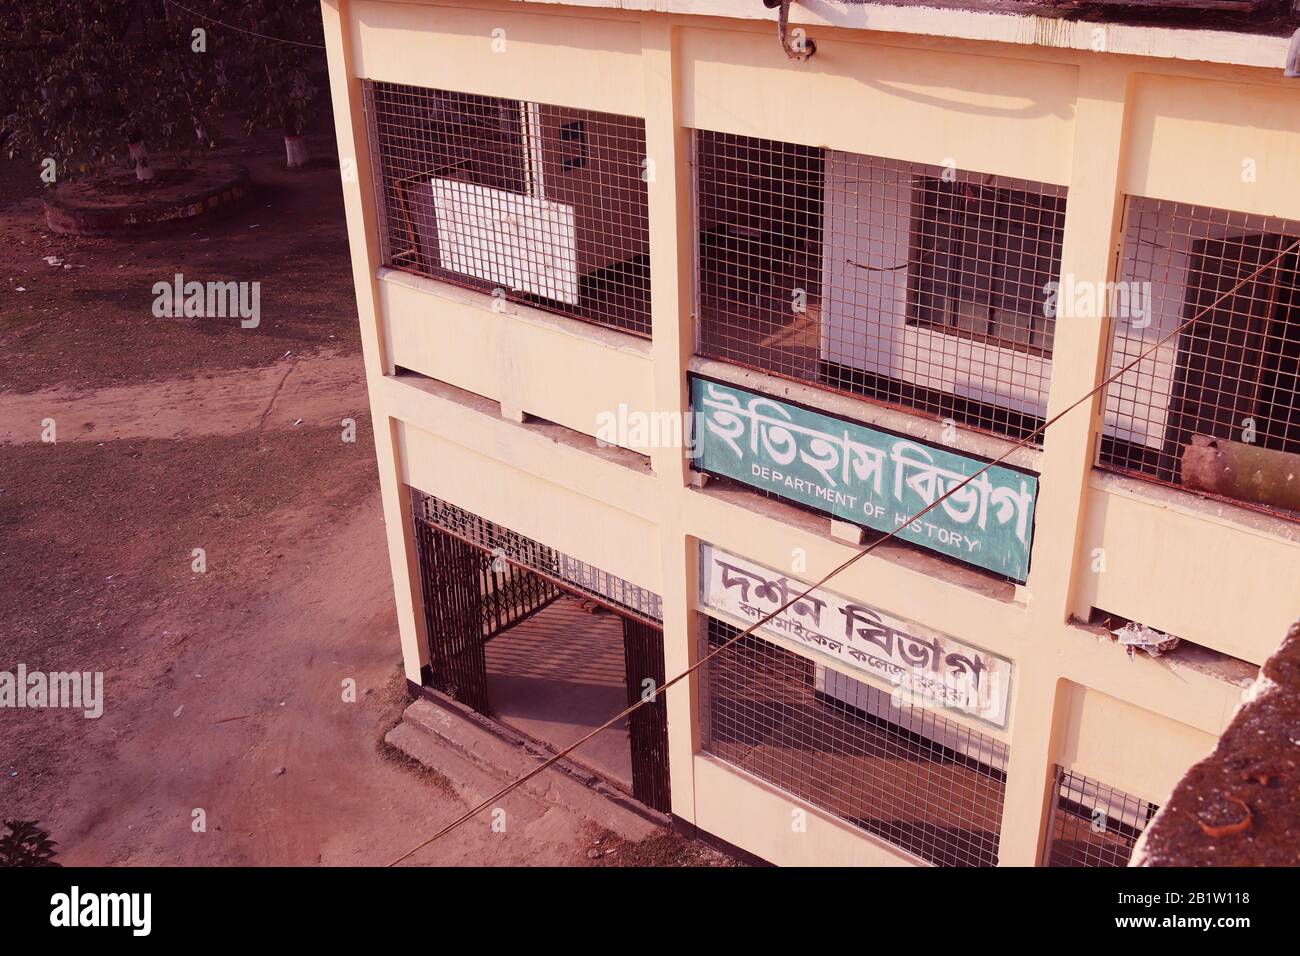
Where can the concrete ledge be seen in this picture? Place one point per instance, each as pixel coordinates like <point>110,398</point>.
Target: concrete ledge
<point>479,759</point>
<point>116,201</point>
<point>1001,22</point>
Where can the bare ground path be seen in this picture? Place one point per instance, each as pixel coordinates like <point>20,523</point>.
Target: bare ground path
<point>323,388</point>
<point>231,700</point>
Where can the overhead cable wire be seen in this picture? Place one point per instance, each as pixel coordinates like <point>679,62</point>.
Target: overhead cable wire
<point>251,33</point>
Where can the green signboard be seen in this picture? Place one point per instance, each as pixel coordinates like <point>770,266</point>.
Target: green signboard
<point>867,476</point>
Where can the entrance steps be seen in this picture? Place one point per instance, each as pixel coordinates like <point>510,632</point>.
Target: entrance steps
<point>479,757</point>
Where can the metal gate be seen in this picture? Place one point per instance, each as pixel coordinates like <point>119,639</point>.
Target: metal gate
<point>469,597</point>
<point>477,579</point>
<point>643,659</point>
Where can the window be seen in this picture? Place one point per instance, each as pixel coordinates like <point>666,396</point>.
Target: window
<point>982,260</point>
<point>911,285</point>
<point>1216,407</point>
<point>543,204</point>
<point>926,784</point>
<point>1093,824</point>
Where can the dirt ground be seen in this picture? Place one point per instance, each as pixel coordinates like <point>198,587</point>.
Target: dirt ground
<point>85,320</point>
<point>224,688</point>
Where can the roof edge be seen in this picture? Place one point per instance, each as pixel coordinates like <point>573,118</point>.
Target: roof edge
<point>1162,42</point>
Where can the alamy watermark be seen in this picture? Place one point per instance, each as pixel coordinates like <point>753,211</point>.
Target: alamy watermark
<point>75,690</point>
<point>626,427</point>
<point>133,911</point>
<point>918,687</point>
<point>1074,299</point>
<point>209,300</point>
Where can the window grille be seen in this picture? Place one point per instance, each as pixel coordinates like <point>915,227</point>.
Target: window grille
<point>1094,824</point>
<point>542,204</point>
<point>917,286</point>
<point>926,784</point>
<point>1231,379</point>
<point>535,556</point>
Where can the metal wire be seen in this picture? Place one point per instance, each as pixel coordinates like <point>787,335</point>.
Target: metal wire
<point>1234,373</point>
<point>917,286</point>
<point>926,784</point>
<point>251,33</point>
<point>536,203</point>
<point>1093,824</point>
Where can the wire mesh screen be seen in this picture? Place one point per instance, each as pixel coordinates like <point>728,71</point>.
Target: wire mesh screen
<point>918,286</point>
<point>544,203</point>
<point>1220,399</point>
<point>1094,824</point>
<point>535,556</point>
<point>926,784</point>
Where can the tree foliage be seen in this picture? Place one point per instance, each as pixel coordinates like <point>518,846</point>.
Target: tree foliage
<point>82,78</point>
<point>26,844</point>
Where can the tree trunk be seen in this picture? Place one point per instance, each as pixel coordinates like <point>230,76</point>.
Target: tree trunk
<point>295,151</point>
<point>140,158</point>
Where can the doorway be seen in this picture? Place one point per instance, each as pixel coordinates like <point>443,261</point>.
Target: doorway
<point>526,645</point>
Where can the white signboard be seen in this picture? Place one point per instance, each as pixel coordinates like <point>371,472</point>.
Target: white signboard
<point>934,669</point>
<point>518,242</point>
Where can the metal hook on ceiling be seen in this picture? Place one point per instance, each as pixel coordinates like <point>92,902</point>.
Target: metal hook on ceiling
<point>796,43</point>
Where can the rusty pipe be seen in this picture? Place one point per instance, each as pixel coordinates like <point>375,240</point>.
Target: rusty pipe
<point>1243,471</point>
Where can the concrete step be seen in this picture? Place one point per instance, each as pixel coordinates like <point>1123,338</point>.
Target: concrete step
<point>471,782</point>
<point>479,762</point>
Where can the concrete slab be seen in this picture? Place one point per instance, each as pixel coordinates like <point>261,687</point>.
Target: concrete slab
<point>479,762</point>
<point>558,675</point>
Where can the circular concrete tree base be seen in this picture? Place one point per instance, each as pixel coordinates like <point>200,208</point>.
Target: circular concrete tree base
<point>117,201</point>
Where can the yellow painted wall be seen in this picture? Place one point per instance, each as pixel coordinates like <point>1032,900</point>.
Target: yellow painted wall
<point>510,51</point>
<point>1108,739</point>
<point>533,502</point>
<point>514,356</point>
<point>887,100</point>
<point>1099,123</point>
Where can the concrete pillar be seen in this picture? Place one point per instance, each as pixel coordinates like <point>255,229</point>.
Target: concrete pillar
<point>1080,355</point>
<point>363,241</point>
<point>671,303</point>
<point>1082,345</point>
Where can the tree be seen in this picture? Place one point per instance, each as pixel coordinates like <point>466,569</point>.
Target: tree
<point>87,82</point>
<point>26,844</point>
<point>277,79</point>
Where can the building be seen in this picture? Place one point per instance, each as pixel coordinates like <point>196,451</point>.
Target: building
<point>863,255</point>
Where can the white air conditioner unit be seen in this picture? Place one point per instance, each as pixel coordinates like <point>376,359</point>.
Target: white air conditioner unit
<point>520,243</point>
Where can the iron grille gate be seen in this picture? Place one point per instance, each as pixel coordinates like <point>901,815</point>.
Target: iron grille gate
<point>466,603</point>
<point>643,658</point>
<point>472,594</point>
